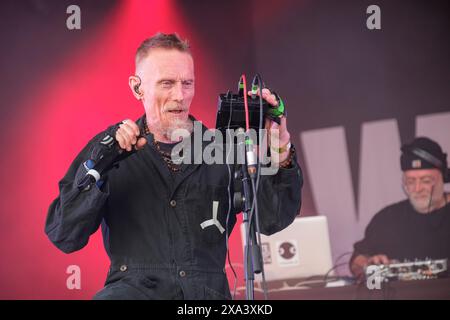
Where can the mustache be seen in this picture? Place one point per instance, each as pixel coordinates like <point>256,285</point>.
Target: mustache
<point>169,108</point>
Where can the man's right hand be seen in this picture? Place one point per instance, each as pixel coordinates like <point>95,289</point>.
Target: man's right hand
<point>128,136</point>
<point>360,262</point>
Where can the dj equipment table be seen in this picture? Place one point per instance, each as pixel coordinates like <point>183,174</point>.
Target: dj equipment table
<point>394,290</point>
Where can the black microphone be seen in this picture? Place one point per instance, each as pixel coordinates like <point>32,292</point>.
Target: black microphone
<point>109,154</point>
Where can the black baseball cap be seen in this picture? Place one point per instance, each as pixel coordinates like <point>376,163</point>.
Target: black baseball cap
<point>424,153</point>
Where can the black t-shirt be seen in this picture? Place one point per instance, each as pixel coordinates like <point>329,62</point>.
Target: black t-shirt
<point>400,232</point>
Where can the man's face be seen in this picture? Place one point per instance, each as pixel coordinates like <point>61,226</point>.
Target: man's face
<point>423,185</point>
<point>168,89</point>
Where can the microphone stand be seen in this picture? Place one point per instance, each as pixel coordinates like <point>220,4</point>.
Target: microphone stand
<point>252,257</point>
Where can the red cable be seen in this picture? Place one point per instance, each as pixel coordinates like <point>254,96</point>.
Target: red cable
<point>247,121</point>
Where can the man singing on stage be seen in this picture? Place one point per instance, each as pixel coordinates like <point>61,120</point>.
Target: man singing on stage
<point>164,223</point>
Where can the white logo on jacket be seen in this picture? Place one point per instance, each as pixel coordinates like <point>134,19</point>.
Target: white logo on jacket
<point>213,221</point>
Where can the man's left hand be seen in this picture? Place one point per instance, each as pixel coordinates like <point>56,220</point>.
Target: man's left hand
<point>278,139</point>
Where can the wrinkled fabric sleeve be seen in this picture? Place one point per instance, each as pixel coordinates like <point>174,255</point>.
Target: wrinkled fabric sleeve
<point>279,198</point>
<point>74,215</point>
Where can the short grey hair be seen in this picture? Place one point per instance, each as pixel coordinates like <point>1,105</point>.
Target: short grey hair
<point>161,41</point>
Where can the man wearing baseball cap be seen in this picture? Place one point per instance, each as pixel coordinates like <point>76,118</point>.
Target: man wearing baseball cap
<point>416,228</point>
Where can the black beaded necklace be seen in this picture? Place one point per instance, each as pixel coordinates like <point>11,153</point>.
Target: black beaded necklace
<point>166,156</point>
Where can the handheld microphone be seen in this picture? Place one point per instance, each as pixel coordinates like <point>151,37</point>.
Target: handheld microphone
<point>109,154</point>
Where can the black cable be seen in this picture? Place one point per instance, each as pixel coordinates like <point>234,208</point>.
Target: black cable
<point>229,205</point>
<point>255,189</point>
<point>263,275</point>
<point>334,267</point>
<point>341,256</point>
<point>254,208</point>
<point>431,198</point>
<point>325,278</point>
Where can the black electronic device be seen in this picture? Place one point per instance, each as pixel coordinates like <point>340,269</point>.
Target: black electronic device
<point>231,109</point>
<point>231,112</point>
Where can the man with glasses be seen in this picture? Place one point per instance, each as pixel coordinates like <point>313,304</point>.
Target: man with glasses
<point>417,228</point>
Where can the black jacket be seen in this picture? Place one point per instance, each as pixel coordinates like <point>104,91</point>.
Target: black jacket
<point>151,221</point>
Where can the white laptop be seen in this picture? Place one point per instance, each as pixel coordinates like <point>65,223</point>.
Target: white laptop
<point>301,250</point>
